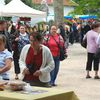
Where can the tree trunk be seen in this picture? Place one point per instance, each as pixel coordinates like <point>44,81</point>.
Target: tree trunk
<point>58,11</point>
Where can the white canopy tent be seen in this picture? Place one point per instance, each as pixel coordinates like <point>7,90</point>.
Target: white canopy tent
<point>2,4</point>
<point>18,8</point>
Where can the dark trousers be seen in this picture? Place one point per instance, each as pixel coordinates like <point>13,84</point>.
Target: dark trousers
<point>16,63</point>
<point>91,59</point>
<point>71,37</point>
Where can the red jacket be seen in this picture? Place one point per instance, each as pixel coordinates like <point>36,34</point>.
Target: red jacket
<point>50,41</point>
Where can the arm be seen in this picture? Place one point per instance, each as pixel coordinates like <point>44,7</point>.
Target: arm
<point>22,60</point>
<point>45,40</point>
<point>98,40</point>
<point>49,66</point>
<point>23,57</point>
<point>22,64</point>
<point>7,66</point>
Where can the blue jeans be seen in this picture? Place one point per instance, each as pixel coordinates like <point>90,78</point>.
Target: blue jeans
<point>54,72</point>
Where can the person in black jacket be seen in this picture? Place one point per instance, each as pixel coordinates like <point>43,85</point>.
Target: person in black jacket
<point>3,31</point>
<point>62,31</point>
<point>87,27</point>
<point>11,27</point>
<point>19,40</point>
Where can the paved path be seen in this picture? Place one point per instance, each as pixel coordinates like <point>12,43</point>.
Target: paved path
<point>72,75</point>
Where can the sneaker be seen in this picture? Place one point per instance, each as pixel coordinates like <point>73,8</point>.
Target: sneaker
<point>16,78</point>
<point>96,77</point>
<point>88,76</point>
<point>48,85</point>
<point>54,85</point>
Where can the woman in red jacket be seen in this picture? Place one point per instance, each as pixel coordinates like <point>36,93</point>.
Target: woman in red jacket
<point>52,40</point>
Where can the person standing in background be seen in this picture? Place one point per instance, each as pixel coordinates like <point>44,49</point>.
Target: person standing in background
<point>3,31</point>
<point>87,27</point>
<point>51,41</point>
<point>11,27</point>
<point>91,50</point>
<point>19,41</point>
<point>61,31</point>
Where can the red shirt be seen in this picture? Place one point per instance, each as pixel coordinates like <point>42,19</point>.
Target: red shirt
<point>53,45</point>
<point>36,60</point>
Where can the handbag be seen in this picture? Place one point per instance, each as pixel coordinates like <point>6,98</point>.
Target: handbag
<point>84,43</point>
<point>61,50</point>
<point>62,54</point>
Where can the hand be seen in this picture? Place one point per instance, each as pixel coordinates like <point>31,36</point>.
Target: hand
<point>26,71</point>
<point>17,39</point>
<point>37,73</point>
<point>0,70</point>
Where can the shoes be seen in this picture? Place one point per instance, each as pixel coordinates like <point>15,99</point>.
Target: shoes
<point>16,77</point>
<point>54,84</point>
<point>48,85</point>
<point>88,76</point>
<point>96,77</point>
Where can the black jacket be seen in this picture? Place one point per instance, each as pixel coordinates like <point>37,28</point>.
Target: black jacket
<point>8,40</point>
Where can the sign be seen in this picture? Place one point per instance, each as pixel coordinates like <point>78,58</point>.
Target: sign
<point>25,19</point>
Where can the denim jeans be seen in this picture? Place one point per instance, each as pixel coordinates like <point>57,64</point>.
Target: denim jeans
<point>54,72</point>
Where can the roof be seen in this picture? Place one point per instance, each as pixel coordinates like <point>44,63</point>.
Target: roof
<point>50,2</point>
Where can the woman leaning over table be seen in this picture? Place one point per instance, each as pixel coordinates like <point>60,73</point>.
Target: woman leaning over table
<point>36,62</point>
<point>91,49</point>
<point>51,41</point>
<point>5,59</point>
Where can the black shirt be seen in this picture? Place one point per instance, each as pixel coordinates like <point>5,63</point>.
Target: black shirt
<point>8,41</point>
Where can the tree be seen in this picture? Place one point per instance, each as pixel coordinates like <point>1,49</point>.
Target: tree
<point>58,11</point>
<point>28,2</point>
<point>90,7</point>
<point>7,1</point>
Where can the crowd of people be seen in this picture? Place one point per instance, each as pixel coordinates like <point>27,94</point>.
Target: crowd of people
<point>36,55</point>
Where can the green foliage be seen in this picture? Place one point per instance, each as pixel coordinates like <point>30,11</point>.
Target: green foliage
<point>90,7</point>
<point>7,1</point>
<point>27,2</point>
